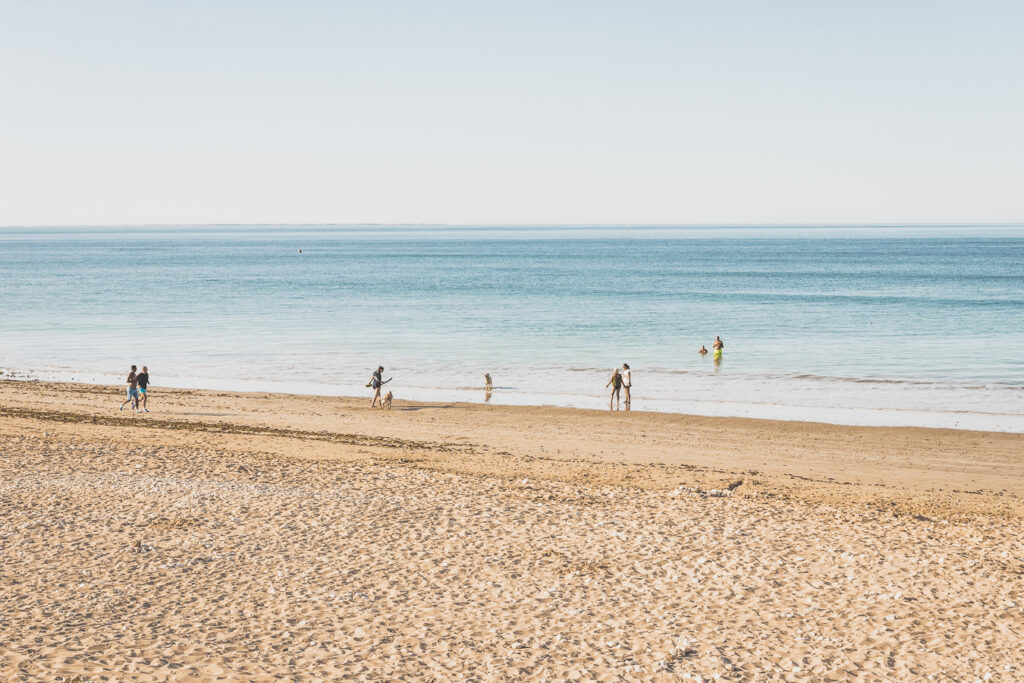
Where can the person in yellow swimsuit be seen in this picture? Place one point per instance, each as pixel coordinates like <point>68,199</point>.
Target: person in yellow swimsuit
<point>718,346</point>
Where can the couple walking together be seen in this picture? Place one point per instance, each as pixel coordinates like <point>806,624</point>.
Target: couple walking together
<point>620,380</point>
<point>137,384</point>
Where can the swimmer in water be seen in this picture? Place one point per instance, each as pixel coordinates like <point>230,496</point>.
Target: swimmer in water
<point>702,350</point>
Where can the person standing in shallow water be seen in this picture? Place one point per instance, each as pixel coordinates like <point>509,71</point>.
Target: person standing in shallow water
<point>616,384</point>
<point>718,346</point>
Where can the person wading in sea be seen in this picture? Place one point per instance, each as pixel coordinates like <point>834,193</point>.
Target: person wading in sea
<point>616,384</point>
<point>627,380</point>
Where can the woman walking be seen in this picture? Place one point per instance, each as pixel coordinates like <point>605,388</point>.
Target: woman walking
<point>143,380</point>
<point>377,382</point>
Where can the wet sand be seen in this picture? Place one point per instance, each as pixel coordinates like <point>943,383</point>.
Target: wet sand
<point>253,536</point>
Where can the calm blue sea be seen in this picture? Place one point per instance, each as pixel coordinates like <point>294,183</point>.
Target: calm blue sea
<point>862,325</point>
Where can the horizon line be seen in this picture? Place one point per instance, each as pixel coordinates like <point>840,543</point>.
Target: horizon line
<point>883,224</point>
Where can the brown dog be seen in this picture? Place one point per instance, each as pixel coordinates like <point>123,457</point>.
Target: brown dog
<point>385,403</point>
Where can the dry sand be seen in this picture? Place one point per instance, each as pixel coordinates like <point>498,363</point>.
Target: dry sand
<point>258,536</point>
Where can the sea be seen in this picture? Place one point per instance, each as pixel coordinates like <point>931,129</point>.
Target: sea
<point>866,325</point>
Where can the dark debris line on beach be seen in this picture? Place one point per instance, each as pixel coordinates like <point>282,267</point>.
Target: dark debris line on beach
<point>225,428</point>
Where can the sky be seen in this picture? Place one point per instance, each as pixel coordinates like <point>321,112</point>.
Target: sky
<point>875,111</point>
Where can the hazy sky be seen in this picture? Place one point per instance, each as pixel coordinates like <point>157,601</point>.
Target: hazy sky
<point>511,112</point>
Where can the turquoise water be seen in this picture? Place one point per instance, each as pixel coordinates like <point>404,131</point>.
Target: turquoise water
<point>872,325</point>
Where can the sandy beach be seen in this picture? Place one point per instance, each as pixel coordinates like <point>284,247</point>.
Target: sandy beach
<point>260,536</point>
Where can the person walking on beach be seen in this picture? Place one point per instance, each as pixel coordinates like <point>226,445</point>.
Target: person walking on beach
<point>627,380</point>
<point>143,379</point>
<point>133,391</point>
<point>377,381</point>
<point>616,384</point>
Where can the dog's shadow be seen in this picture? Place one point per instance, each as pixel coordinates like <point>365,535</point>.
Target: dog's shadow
<point>410,409</point>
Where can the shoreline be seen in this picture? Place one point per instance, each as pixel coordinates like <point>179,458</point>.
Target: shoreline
<point>959,471</point>
<point>840,416</point>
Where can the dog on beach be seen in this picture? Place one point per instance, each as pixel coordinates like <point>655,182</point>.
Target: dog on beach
<point>487,382</point>
<point>385,403</point>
